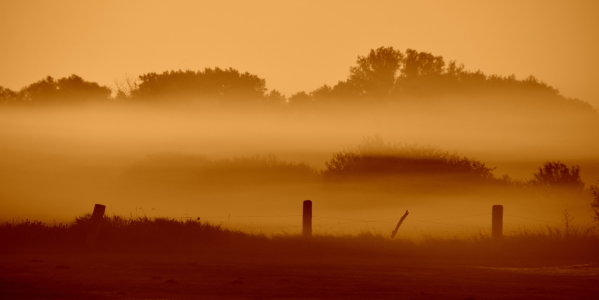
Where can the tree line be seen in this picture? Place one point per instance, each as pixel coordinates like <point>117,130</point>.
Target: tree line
<point>373,164</point>
<point>384,75</point>
<point>373,159</point>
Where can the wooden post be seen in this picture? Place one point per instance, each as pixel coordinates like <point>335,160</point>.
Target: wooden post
<point>497,228</point>
<point>399,224</point>
<point>307,218</point>
<point>94,226</point>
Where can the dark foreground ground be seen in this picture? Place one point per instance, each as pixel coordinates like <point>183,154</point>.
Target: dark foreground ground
<point>255,276</point>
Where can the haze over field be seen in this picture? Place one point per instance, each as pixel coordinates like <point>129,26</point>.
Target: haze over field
<point>167,149</point>
<point>248,161</point>
<point>187,136</point>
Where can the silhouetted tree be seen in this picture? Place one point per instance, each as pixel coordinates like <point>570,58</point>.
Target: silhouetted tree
<point>8,96</point>
<point>68,90</point>
<point>421,64</point>
<point>300,99</point>
<point>384,73</point>
<point>43,90</point>
<point>372,78</point>
<point>423,74</point>
<point>219,86</point>
<point>74,87</point>
<point>375,74</point>
<point>125,87</point>
<point>322,93</point>
<point>387,73</point>
<point>557,174</point>
<point>375,158</point>
<point>274,99</point>
<point>595,203</point>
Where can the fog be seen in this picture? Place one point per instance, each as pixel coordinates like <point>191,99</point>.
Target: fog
<point>138,160</point>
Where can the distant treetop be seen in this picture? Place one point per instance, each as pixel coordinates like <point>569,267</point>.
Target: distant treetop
<point>223,86</point>
<point>384,75</point>
<point>388,75</point>
<point>64,91</point>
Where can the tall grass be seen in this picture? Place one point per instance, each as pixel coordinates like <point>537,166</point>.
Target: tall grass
<point>143,234</point>
<point>118,233</point>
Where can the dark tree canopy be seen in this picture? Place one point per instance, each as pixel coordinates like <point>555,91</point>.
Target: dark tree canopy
<point>557,174</point>
<point>388,75</point>
<point>67,90</point>
<point>421,64</point>
<point>8,96</point>
<point>385,75</point>
<point>300,99</point>
<point>374,75</point>
<point>274,99</point>
<point>222,86</point>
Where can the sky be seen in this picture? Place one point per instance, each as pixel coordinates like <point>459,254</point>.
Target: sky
<point>296,45</point>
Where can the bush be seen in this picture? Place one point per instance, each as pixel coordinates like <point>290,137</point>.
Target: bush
<point>557,174</point>
<point>374,158</point>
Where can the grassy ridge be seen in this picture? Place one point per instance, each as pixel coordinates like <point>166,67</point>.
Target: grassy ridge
<point>162,235</point>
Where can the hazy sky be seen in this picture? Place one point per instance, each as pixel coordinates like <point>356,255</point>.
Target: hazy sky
<point>297,45</point>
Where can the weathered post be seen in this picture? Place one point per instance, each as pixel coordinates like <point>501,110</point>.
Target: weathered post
<point>399,224</point>
<point>307,219</point>
<point>497,219</point>
<point>94,226</point>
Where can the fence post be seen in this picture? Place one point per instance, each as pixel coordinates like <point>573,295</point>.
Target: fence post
<point>497,219</point>
<point>399,224</point>
<point>94,226</point>
<point>307,218</point>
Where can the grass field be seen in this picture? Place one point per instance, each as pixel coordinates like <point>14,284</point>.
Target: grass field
<point>140,258</point>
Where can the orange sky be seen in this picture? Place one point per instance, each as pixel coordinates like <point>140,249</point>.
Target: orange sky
<point>297,45</point>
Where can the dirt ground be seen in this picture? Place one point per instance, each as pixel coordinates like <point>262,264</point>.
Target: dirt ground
<point>223,276</point>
